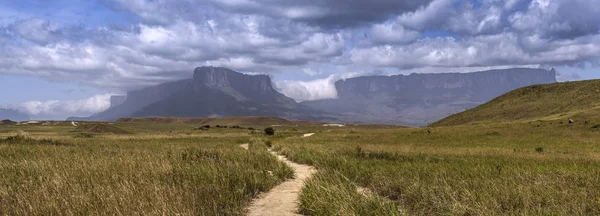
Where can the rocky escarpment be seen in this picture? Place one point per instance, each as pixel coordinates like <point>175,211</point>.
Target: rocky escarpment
<point>419,99</point>
<point>416,99</point>
<point>218,92</point>
<point>212,92</point>
<point>482,86</point>
<point>255,88</point>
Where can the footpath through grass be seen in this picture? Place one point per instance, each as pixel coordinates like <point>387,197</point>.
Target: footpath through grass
<point>538,168</point>
<point>531,168</point>
<point>158,170</point>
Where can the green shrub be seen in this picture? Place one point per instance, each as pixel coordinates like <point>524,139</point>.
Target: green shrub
<point>270,131</point>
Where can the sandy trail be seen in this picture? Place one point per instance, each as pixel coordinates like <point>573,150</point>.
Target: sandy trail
<point>308,134</point>
<point>334,125</point>
<point>282,199</point>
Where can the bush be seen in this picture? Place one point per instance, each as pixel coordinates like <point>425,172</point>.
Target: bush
<point>539,149</point>
<point>270,131</point>
<point>269,143</point>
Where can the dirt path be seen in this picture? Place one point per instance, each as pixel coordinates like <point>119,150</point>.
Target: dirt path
<point>308,135</point>
<point>282,199</point>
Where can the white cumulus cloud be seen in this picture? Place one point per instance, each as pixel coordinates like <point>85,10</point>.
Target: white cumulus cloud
<point>308,90</point>
<point>55,109</point>
<point>317,89</point>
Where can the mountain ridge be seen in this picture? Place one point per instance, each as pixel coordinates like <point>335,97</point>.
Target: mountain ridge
<point>418,99</point>
<point>211,92</point>
<point>415,99</point>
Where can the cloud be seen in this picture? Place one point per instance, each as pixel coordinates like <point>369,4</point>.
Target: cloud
<point>558,19</point>
<point>322,13</point>
<point>390,33</point>
<point>308,90</point>
<point>434,14</point>
<point>316,89</point>
<point>36,30</point>
<point>165,40</point>
<point>55,109</point>
<point>485,50</point>
<point>122,59</point>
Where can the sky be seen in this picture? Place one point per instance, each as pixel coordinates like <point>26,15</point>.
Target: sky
<point>66,58</point>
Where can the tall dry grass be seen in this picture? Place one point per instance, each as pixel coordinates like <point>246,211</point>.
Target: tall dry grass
<point>146,174</point>
<point>468,170</point>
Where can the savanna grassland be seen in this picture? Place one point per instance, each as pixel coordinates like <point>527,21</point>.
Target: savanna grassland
<point>531,168</point>
<point>532,151</point>
<point>132,169</point>
<point>541,167</point>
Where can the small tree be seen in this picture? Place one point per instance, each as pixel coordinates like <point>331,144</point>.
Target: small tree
<point>270,131</point>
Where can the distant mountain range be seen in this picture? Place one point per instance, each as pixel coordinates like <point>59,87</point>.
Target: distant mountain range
<point>416,99</point>
<point>12,114</point>
<point>420,99</point>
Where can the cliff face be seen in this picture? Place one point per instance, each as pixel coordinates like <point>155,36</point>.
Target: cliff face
<point>483,85</point>
<point>220,78</point>
<point>212,92</point>
<point>256,88</point>
<point>419,99</point>
<point>416,99</point>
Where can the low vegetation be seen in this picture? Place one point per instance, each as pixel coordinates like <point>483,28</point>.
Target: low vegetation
<point>527,167</point>
<point>101,128</point>
<point>25,140</point>
<point>331,193</point>
<point>495,169</point>
<point>270,131</point>
<point>54,170</point>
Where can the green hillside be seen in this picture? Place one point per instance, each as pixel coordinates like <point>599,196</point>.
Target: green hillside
<point>579,101</point>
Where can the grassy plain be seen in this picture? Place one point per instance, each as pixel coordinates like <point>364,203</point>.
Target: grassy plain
<point>153,169</point>
<point>531,168</point>
<point>539,167</point>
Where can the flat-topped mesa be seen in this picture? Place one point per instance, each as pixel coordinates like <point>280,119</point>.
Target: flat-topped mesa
<point>218,78</point>
<point>485,84</point>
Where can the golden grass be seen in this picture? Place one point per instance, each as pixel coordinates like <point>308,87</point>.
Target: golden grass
<point>474,170</point>
<point>549,102</point>
<point>135,174</point>
<point>529,167</point>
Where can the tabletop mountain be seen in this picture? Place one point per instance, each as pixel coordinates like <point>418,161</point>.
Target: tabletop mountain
<point>419,99</point>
